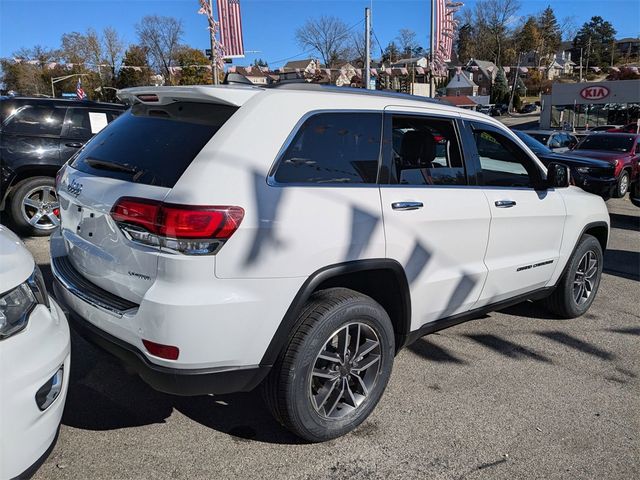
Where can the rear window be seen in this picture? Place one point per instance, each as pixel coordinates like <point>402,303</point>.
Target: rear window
<point>614,143</point>
<point>152,144</point>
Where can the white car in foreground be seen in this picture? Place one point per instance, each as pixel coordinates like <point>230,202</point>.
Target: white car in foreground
<point>34,361</point>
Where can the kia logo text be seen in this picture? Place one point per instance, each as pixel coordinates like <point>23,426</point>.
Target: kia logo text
<point>594,93</point>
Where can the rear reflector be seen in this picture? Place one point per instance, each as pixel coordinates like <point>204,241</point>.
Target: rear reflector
<point>163,351</point>
<point>195,230</point>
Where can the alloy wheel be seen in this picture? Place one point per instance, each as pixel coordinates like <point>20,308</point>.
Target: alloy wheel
<point>585,278</point>
<point>41,208</point>
<point>345,370</point>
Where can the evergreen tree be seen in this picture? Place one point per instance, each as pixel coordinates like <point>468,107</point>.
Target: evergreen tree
<point>529,38</point>
<point>597,39</point>
<point>135,56</point>
<point>550,32</point>
<point>391,54</point>
<point>465,44</point>
<point>500,90</point>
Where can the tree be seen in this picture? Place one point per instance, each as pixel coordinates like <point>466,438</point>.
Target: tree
<point>494,16</point>
<point>135,70</point>
<point>465,43</point>
<point>161,37</point>
<point>391,54</point>
<point>596,38</point>
<point>188,58</point>
<point>529,37</point>
<point>113,48</point>
<point>407,42</point>
<point>328,35</point>
<point>258,62</point>
<point>500,89</point>
<point>550,33</point>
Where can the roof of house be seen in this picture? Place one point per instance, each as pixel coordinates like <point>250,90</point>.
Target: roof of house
<point>299,63</point>
<point>628,40</point>
<point>484,66</point>
<point>461,80</point>
<point>409,61</point>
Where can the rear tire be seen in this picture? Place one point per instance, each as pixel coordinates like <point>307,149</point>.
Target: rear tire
<point>578,287</point>
<point>321,387</point>
<point>34,206</point>
<point>623,184</point>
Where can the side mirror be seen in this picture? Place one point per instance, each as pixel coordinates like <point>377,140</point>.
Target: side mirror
<point>558,175</point>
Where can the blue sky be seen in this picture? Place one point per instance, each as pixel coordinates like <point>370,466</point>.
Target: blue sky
<point>269,25</point>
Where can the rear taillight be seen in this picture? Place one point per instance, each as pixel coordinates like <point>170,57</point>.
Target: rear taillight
<point>191,230</point>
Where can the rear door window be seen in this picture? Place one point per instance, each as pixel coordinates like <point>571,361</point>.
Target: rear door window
<point>34,120</point>
<point>83,123</point>
<point>152,144</point>
<point>332,148</point>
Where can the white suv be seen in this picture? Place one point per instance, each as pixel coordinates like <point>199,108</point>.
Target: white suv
<point>217,238</point>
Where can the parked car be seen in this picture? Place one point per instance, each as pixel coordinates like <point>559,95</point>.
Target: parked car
<point>304,259</point>
<point>558,141</point>
<point>619,149</point>
<point>592,175</point>
<point>634,188</point>
<point>528,108</point>
<point>629,128</point>
<point>37,136</point>
<point>499,109</point>
<point>486,109</point>
<point>603,128</point>
<point>34,366</point>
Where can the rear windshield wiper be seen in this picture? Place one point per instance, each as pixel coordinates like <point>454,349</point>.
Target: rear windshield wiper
<point>113,166</point>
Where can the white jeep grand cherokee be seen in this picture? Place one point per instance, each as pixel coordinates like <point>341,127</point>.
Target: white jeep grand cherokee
<point>217,238</point>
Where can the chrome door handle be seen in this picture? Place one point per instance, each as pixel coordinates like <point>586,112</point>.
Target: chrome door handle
<point>73,144</point>
<point>406,205</point>
<point>505,203</point>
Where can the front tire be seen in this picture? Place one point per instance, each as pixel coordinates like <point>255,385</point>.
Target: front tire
<point>335,367</point>
<point>623,184</point>
<point>578,287</point>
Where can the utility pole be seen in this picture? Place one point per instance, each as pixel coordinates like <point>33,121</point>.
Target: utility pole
<point>580,64</point>
<point>367,48</point>
<point>515,83</point>
<point>214,51</point>
<point>432,83</point>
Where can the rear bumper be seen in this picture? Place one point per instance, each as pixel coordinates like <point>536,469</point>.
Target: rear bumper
<point>175,381</point>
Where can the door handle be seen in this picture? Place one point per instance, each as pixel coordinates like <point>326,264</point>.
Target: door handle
<point>73,144</point>
<point>406,205</point>
<point>505,203</point>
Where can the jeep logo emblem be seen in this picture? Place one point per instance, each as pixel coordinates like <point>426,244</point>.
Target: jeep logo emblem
<point>74,188</point>
<point>594,93</point>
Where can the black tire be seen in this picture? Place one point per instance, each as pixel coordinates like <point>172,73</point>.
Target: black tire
<point>623,184</point>
<point>289,388</point>
<point>28,189</point>
<point>562,301</point>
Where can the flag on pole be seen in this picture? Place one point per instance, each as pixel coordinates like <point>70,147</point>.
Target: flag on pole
<point>231,28</point>
<point>445,26</point>
<point>79,90</point>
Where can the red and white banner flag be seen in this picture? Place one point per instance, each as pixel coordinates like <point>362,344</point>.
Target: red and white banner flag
<point>230,28</point>
<point>445,28</point>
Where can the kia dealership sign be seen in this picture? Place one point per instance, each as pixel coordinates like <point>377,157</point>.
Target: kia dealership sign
<point>597,92</point>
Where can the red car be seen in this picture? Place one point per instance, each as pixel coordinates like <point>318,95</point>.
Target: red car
<point>619,149</point>
<point>630,128</point>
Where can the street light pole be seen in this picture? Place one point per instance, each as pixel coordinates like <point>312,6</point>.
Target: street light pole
<point>214,52</point>
<point>432,83</point>
<point>367,48</point>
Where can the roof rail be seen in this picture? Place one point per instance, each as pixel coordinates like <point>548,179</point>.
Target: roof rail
<point>317,87</point>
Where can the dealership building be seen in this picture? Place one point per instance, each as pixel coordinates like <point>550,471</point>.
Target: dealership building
<point>579,105</point>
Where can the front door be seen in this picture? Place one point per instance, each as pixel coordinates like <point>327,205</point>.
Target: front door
<point>436,223</point>
<point>527,220</point>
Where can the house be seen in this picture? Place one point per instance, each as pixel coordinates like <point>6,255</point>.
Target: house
<point>483,74</point>
<point>561,65</point>
<point>462,101</point>
<point>256,75</point>
<point>308,65</point>
<point>628,47</point>
<point>411,63</point>
<point>461,84</point>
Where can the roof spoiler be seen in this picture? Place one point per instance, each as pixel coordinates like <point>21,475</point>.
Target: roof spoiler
<point>234,96</point>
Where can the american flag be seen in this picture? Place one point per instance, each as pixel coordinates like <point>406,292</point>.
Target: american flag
<point>445,26</point>
<point>230,28</point>
<point>80,91</point>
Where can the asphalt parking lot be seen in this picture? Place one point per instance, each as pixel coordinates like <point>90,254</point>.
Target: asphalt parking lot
<point>517,394</point>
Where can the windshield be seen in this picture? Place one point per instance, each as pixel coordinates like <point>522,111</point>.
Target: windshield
<point>612,143</point>
<point>532,143</point>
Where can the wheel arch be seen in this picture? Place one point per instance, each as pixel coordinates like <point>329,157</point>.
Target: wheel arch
<point>384,280</point>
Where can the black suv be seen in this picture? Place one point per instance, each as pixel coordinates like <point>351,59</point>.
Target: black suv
<point>37,136</point>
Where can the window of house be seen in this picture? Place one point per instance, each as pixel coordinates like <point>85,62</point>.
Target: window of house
<point>503,163</point>
<point>425,151</point>
<point>332,148</point>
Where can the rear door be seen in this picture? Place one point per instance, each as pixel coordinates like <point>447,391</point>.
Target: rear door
<point>141,154</point>
<point>80,124</point>
<point>436,220</point>
<point>527,221</point>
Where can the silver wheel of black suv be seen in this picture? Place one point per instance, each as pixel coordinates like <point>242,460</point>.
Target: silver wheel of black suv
<point>335,368</point>
<point>35,208</point>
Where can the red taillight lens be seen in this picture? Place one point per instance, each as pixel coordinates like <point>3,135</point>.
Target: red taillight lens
<point>135,211</point>
<point>187,229</point>
<point>163,351</point>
